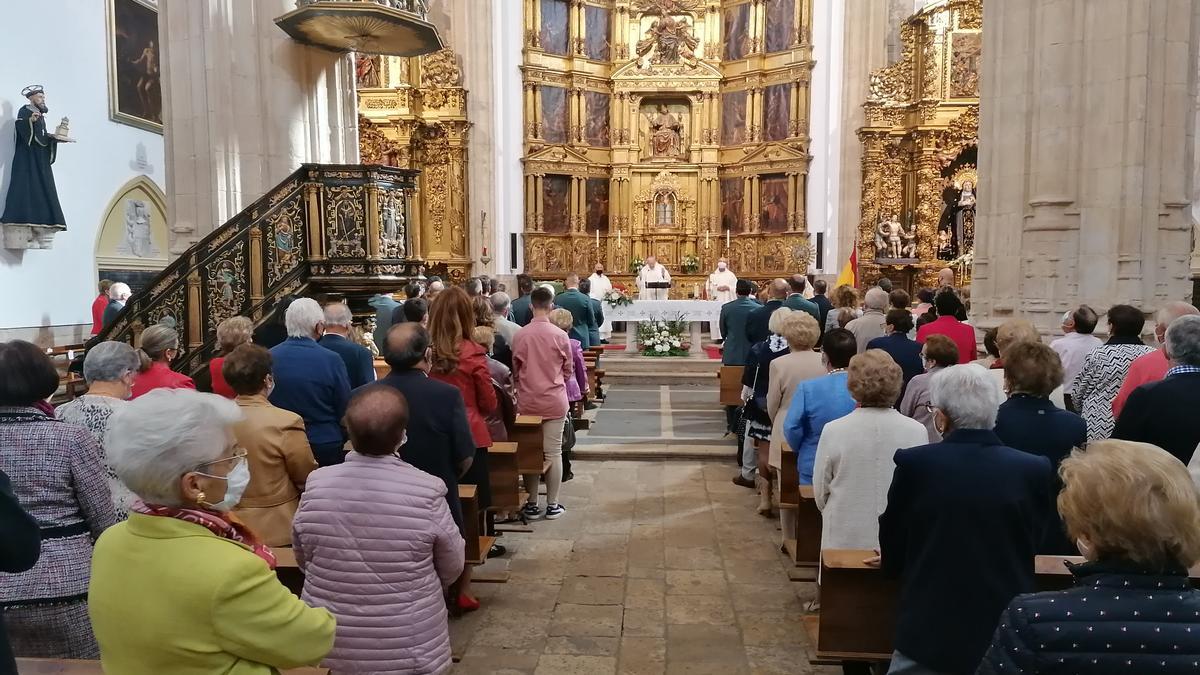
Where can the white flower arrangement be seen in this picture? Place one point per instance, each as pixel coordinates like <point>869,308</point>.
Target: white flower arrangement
<point>662,337</point>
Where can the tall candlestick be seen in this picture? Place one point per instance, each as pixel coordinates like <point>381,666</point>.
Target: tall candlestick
<point>618,238</point>
<point>726,238</point>
<point>597,237</point>
<point>706,239</point>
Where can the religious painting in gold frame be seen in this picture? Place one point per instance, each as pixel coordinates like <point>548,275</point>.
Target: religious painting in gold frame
<point>134,64</point>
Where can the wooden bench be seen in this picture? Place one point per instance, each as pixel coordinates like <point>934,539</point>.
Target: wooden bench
<point>381,369</point>
<point>72,667</point>
<point>505,476</point>
<point>478,544</point>
<point>730,378</point>
<point>288,570</point>
<point>858,603</point>
<point>527,434</point>
<point>73,384</point>
<point>803,544</point>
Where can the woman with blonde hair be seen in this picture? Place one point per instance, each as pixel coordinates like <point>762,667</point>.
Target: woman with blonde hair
<point>855,455</point>
<point>1014,332</point>
<point>801,363</point>
<point>1132,510</point>
<point>845,297</point>
<point>756,385</point>
<point>231,333</point>
<point>577,386</point>
<point>458,360</point>
<point>160,346</point>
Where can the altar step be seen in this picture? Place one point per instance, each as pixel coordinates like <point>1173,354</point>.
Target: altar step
<point>653,371</point>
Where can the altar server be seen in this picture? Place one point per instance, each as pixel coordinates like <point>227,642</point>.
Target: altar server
<point>720,287</point>
<point>601,285</point>
<point>650,273</point>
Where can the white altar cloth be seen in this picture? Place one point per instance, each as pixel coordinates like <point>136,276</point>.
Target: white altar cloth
<point>693,311</point>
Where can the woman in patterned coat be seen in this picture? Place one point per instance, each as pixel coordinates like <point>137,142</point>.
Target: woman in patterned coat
<point>58,475</point>
<point>109,369</point>
<point>1105,369</point>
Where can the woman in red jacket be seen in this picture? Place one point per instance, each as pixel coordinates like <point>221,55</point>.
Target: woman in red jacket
<point>459,361</point>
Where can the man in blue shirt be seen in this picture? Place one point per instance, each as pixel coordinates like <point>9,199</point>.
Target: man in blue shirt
<point>360,365</point>
<point>311,381</point>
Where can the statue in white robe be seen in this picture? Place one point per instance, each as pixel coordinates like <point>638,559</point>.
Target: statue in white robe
<point>720,287</point>
<point>651,272</point>
<point>601,285</point>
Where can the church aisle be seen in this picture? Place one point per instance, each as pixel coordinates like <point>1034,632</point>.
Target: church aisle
<point>657,567</point>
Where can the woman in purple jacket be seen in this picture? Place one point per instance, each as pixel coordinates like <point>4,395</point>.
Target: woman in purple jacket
<point>378,547</point>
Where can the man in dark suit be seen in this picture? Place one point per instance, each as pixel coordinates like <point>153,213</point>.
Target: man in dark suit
<point>823,304</point>
<point>580,307</point>
<point>796,301</point>
<point>735,319</point>
<point>439,436</point>
<point>522,312</point>
<point>412,290</point>
<point>360,365</point>
<point>585,287</point>
<point>1163,413</point>
<point>758,322</point>
<point>963,523</point>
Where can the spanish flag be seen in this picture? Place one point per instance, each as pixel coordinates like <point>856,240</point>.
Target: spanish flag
<point>849,274</point>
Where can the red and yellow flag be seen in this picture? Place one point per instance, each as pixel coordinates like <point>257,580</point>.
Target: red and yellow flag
<point>849,274</point>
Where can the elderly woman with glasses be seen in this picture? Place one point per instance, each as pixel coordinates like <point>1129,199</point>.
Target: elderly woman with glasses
<point>1132,509</point>
<point>937,353</point>
<point>181,586</point>
<point>963,522</point>
<point>57,472</point>
<point>109,369</point>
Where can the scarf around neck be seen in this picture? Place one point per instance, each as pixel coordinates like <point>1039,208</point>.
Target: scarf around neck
<point>224,526</point>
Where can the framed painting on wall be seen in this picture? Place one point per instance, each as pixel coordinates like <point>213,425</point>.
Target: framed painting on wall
<point>774,200</point>
<point>134,91</point>
<point>556,204</point>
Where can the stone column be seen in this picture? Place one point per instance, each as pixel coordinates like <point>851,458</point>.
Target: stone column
<point>244,105</point>
<point>1085,169</point>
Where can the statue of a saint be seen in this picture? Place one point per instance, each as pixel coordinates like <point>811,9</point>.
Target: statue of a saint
<point>138,238</point>
<point>890,232</point>
<point>32,214</point>
<point>666,139</point>
<point>671,40</point>
<point>964,219</point>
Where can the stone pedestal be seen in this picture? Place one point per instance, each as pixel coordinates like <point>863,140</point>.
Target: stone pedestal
<point>243,106</point>
<point>1085,167</point>
<point>29,236</point>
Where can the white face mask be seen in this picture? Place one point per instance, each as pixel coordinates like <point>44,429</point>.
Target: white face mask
<point>404,439</point>
<point>235,486</point>
<point>270,385</point>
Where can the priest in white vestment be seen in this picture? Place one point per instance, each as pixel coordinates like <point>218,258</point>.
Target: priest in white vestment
<point>651,271</point>
<point>601,285</point>
<point>720,288</point>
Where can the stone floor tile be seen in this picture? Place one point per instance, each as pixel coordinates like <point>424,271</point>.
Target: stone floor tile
<point>704,644</point>
<point>693,558</point>
<point>644,594</point>
<point>644,622</point>
<point>699,609</point>
<point>483,660</point>
<point>592,591</point>
<point>696,582</point>
<point>642,656</point>
<point>582,646</point>
<point>561,664</point>
<point>586,620</point>
<point>757,598</point>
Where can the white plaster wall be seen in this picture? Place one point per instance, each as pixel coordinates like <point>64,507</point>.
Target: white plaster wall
<point>508,181</point>
<point>825,129</point>
<point>55,287</point>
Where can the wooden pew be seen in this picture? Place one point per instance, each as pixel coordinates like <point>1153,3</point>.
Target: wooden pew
<point>288,570</point>
<point>527,434</point>
<point>803,544</point>
<point>72,383</point>
<point>381,369</point>
<point>72,667</point>
<point>505,476</point>
<point>858,603</point>
<point>478,544</point>
<point>730,378</point>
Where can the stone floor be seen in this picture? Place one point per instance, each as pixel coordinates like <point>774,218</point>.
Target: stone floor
<point>657,567</point>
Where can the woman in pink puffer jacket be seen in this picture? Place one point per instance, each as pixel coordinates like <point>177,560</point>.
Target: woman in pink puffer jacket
<point>378,547</point>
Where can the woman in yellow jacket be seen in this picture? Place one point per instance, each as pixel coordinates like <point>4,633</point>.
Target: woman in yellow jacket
<point>181,587</point>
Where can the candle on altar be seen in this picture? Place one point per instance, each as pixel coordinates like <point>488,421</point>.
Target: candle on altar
<point>618,238</point>
<point>597,237</point>
<point>726,238</point>
<point>706,239</point>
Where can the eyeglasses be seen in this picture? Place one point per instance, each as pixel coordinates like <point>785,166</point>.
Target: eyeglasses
<point>239,453</point>
<point>929,408</point>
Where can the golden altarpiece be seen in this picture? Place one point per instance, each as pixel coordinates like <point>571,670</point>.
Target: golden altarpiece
<point>920,150</point>
<point>413,115</point>
<point>673,128</point>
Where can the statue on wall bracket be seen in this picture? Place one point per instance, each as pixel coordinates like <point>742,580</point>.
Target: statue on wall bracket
<point>666,129</point>
<point>32,214</point>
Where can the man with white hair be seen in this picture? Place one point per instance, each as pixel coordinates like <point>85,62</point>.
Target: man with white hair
<point>652,272</point>
<point>960,511</point>
<point>873,322</point>
<point>1163,413</point>
<point>360,365</point>
<point>1074,346</point>
<point>1152,367</point>
<point>118,295</point>
<point>501,305</point>
<point>311,381</point>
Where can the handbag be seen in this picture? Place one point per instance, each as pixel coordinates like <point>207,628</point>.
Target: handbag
<point>568,442</point>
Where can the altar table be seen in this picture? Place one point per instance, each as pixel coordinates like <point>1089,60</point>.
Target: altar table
<point>694,312</point>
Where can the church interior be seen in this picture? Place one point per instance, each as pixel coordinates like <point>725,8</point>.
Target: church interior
<point>899,178</point>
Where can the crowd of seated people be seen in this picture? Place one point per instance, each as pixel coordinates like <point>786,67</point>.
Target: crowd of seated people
<point>958,476</point>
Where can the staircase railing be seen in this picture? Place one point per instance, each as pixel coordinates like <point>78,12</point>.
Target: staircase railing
<point>325,228</point>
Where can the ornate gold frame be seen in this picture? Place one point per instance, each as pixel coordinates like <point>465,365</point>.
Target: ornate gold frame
<point>111,47</point>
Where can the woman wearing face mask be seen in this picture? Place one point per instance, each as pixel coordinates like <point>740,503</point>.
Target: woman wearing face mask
<point>277,450</point>
<point>181,587</point>
<point>1132,510</point>
<point>109,369</point>
<point>160,346</point>
<point>378,546</point>
<point>57,473</point>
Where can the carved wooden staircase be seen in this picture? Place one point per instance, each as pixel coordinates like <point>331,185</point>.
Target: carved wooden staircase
<point>326,228</point>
